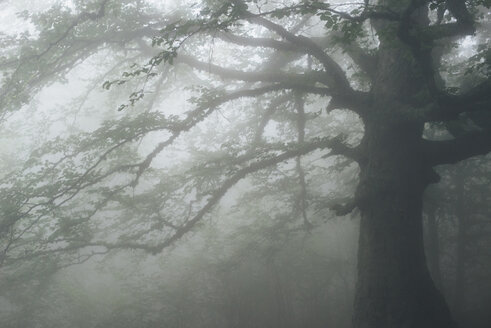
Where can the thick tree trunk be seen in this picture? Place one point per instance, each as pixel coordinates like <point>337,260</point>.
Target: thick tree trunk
<point>394,288</point>
<point>462,240</point>
<point>433,247</point>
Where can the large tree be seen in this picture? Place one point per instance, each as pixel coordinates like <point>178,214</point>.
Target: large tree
<point>387,62</point>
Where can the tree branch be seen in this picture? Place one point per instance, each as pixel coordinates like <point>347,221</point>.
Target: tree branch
<point>309,78</point>
<point>463,26</point>
<point>259,42</point>
<point>479,93</point>
<point>448,30</point>
<point>197,116</point>
<point>415,32</point>
<point>367,62</point>
<point>339,148</point>
<point>215,197</point>
<point>350,99</point>
<point>343,209</point>
<point>239,175</point>
<point>449,107</point>
<point>456,150</point>
<point>78,20</point>
<point>336,76</point>
<point>369,11</point>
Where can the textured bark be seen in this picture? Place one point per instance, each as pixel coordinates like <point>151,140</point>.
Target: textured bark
<point>433,247</point>
<point>394,288</point>
<point>462,240</point>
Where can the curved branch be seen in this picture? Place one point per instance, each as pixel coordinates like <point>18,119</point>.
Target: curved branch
<point>366,61</point>
<point>343,209</point>
<point>83,17</point>
<point>336,76</point>
<point>346,98</point>
<point>464,25</point>
<point>213,200</point>
<point>197,116</point>
<point>264,76</point>
<point>456,150</point>
<point>449,107</point>
<point>479,93</point>
<point>259,42</point>
<point>369,11</point>
<point>339,148</point>
<point>415,32</point>
<point>230,182</point>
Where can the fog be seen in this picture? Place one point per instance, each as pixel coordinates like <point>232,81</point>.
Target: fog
<point>244,163</point>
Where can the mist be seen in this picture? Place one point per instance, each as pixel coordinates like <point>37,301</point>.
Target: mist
<point>245,163</point>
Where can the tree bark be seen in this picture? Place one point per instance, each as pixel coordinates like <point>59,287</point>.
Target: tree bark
<point>394,287</point>
<point>462,240</point>
<point>433,247</point>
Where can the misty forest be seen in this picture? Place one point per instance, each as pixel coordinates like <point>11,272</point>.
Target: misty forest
<point>245,164</point>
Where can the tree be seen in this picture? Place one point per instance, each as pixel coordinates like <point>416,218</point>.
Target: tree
<point>458,215</point>
<point>383,61</point>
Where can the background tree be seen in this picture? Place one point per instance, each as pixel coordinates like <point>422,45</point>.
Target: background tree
<point>460,214</point>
